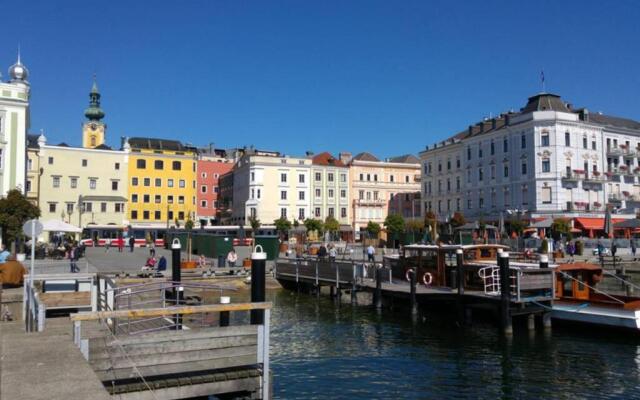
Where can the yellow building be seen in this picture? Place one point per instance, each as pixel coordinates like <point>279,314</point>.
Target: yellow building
<point>162,181</point>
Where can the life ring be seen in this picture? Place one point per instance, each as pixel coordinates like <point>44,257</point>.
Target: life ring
<point>406,275</point>
<point>427,279</point>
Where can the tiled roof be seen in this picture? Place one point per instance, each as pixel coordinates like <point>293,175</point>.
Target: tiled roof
<point>545,102</point>
<point>157,144</point>
<point>327,159</point>
<point>365,156</point>
<point>405,159</point>
<point>608,120</point>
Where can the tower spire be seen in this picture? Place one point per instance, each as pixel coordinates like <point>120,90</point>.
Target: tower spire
<point>94,112</point>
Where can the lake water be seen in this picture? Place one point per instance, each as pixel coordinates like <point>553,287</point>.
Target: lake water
<point>324,351</point>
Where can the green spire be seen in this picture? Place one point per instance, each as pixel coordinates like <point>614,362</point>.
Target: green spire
<point>94,112</point>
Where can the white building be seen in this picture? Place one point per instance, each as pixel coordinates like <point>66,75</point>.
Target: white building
<point>14,124</point>
<point>330,188</point>
<point>548,159</point>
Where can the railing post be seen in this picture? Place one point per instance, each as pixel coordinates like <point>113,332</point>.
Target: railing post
<point>505,293</point>
<point>258,262</point>
<point>42,312</point>
<point>266,384</point>
<point>460,283</point>
<point>77,331</point>
<point>224,315</point>
<point>354,298</point>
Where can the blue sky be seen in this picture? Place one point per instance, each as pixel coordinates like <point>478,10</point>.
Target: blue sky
<point>387,77</point>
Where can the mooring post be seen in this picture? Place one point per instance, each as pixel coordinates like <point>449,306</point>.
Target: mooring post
<point>546,320</point>
<point>414,303</point>
<point>258,263</point>
<point>224,315</point>
<point>505,293</point>
<point>460,283</point>
<point>544,261</point>
<point>176,278</point>
<point>377,296</point>
<point>354,298</point>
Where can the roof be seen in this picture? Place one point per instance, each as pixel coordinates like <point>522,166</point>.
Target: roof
<point>595,223</point>
<point>545,102</point>
<point>365,156</point>
<point>628,223</point>
<point>157,144</point>
<point>327,159</point>
<point>103,147</point>
<point>545,223</point>
<point>608,120</point>
<point>579,266</point>
<point>405,159</point>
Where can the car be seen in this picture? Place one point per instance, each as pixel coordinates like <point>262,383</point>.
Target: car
<point>605,252</point>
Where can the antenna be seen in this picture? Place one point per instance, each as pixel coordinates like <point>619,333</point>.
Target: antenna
<point>542,80</point>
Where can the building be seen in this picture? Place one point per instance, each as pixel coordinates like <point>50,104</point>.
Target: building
<point>269,187</point>
<point>162,181</point>
<point>32,185</point>
<point>374,183</point>
<point>14,124</point>
<point>330,188</point>
<point>406,204</point>
<point>547,160</point>
<point>211,164</point>
<point>94,130</point>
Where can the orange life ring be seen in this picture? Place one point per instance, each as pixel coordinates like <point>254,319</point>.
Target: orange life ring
<point>427,279</point>
<point>406,275</point>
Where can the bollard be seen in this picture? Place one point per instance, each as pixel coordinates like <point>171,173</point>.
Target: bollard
<point>258,262</point>
<point>460,283</point>
<point>544,261</point>
<point>505,293</point>
<point>412,296</point>
<point>377,298</point>
<point>176,278</point>
<point>354,297</point>
<point>224,315</point>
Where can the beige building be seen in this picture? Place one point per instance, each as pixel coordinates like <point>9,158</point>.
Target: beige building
<point>330,188</point>
<point>83,186</point>
<point>269,187</point>
<point>374,183</point>
<point>32,184</point>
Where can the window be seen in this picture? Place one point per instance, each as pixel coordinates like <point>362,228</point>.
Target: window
<point>134,198</point>
<point>317,212</point>
<point>301,213</point>
<point>567,139</point>
<point>343,177</point>
<point>318,176</point>
<point>343,194</point>
<point>546,195</point>
<point>158,199</point>
<point>468,153</point>
<point>480,174</point>
<point>253,212</point>
<point>69,208</point>
<point>114,185</point>
<point>584,143</point>
<point>134,214</point>
<point>29,164</point>
<point>593,145</point>
<point>134,181</point>
<point>331,212</point>
<point>181,183</point>
<point>157,215</point>
<point>480,150</point>
<point>141,164</point>
<point>74,182</point>
<point>525,194</point>
<point>544,139</point>
<point>523,168</point>
<point>56,181</point>
<point>146,198</point>
<point>52,207</point>
<point>406,179</point>
<point>361,177</point>
<point>457,183</point>
<point>505,171</point>
<point>301,195</point>
<point>368,177</point>
<point>170,215</point>
<point>330,177</point>
<point>158,182</point>
<point>546,166</point>
<point>116,166</point>
<point>88,207</point>
<point>258,196</point>
<point>119,207</point>
<point>523,141</point>
<point>330,193</point>
<point>176,166</point>
<point>493,172</point>
<point>391,178</point>
<point>28,186</point>
<point>283,177</point>
<point>253,177</point>
<point>300,178</point>
<point>145,215</point>
<point>481,202</point>
<point>84,163</point>
<point>318,193</point>
<point>92,183</point>
<point>158,164</point>
<point>283,213</point>
<point>449,162</point>
<point>505,145</point>
<point>203,189</point>
<point>180,199</point>
<point>51,162</point>
<point>343,212</point>
<point>103,207</point>
<point>458,204</point>
<point>170,199</point>
<point>361,194</point>
<point>170,183</point>
<point>458,163</point>
<point>493,148</point>
<point>283,195</point>
<point>375,195</point>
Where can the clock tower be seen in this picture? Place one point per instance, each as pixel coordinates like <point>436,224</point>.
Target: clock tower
<point>93,129</point>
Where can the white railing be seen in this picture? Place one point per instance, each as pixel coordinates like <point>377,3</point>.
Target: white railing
<point>491,280</point>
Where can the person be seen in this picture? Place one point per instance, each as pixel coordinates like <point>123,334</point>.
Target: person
<point>107,244</point>
<point>614,248</point>
<point>132,243</point>
<point>600,248</point>
<point>152,248</point>
<point>202,261</point>
<point>332,253</point>
<point>571,249</point>
<point>633,248</point>
<point>151,263</point>
<point>120,243</point>
<point>322,252</point>
<point>371,252</point>
<point>73,258</point>
<point>4,254</point>
<point>162,264</point>
<point>12,273</point>
<point>232,257</point>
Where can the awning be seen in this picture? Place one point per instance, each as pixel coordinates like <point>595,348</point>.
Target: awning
<point>595,223</point>
<point>544,223</point>
<point>104,198</point>
<point>55,225</point>
<point>346,228</point>
<point>628,223</point>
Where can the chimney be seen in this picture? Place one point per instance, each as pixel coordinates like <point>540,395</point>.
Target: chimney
<point>481,126</point>
<point>345,156</point>
<point>470,129</point>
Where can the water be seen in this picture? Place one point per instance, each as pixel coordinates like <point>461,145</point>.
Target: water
<point>321,351</point>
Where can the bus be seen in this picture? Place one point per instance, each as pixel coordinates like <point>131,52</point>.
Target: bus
<point>101,235</point>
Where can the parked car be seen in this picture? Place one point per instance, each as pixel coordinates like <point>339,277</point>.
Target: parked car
<point>605,252</point>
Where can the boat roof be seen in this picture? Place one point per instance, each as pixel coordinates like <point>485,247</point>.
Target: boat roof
<point>454,246</point>
<point>579,266</point>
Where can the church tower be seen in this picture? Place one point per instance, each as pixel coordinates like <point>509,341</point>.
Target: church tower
<point>93,130</point>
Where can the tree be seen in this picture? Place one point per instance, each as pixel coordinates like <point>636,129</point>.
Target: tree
<point>296,223</point>
<point>313,225</point>
<point>457,220</point>
<point>177,222</point>
<point>188,225</point>
<point>415,225</point>
<point>561,227</point>
<point>373,229</point>
<point>282,226</point>
<point>331,225</point>
<point>15,210</point>
<point>394,224</point>
<point>255,224</point>
<point>516,225</point>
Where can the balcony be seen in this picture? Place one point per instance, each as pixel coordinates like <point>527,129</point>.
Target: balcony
<point>376,202</point>
<point>629,153</point>
<point>614,151</point>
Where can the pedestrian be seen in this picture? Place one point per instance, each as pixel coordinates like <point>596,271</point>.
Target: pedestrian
<point>600,248</point>
<point>72,254</point>
<point>332,253</point>
<point>633,248</point>
<point>232,257</point>
<point>4,254</point>
<point>132,243</point>
<point>107,245</point>
<point>202,261</point>
<point>614,248</point>
<point>162,264</point>
<point>152,249</point>
<point>371,252</point>
<point>322,252</point>
<point>571,249</point>
<point>120,243</point>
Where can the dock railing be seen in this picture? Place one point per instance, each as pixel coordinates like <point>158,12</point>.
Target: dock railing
<point>339,272</point>
<point>35,310</point>
<point>526,284</point>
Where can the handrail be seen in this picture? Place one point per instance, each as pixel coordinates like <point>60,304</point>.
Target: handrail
<point>621,279</point>
<point>591,287</point>
<point>156,312</point>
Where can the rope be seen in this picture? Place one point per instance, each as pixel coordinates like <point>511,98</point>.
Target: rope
<point>592,288</point>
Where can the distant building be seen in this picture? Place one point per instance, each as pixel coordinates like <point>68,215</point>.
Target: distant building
<point>14,124</point>
<point>211,165</point>
<point>32,184</point>
<point>330,188</point>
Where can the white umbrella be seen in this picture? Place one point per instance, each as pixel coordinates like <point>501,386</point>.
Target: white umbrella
<point>55,225</point>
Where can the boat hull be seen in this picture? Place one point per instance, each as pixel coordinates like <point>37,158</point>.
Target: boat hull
<point>596,315</point>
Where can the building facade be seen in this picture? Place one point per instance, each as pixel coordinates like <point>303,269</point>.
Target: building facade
<point>269,187</point>
<point>547,160</point>
<point>211,165</point>
<point>32,184</point>
<point>330,189</point>
<point>14,124</point>
<point>161,181</point>
<point>374,183</point>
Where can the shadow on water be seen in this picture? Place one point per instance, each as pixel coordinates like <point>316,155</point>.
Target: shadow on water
<point>322,351</point>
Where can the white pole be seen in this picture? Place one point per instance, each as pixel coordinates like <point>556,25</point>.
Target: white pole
<point>33,251</point>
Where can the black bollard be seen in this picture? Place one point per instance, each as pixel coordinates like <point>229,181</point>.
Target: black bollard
<point>544,261</point>
<point>505,293</point>
<point>176,278</point>
<point>460,283</point>
<point>377,297</point>
<point>414,303</point>
<point>258,263</point>
<point>224,315</point>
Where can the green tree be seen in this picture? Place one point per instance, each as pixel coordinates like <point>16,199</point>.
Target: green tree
<point>282,226</point>
<point>516,225</point>
<point>188,225</point>
<point>394,224</point>
<point>313,225</point>
<point>331,225</point>
<point>296,223</point>
<point>255,225</point>
<point>561,227</point>
<point>15,210</point>
<point>373,229</point>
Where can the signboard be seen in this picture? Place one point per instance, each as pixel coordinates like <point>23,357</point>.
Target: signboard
<point>37,228</point>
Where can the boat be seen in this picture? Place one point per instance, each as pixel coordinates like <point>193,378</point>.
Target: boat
<point>577,298</point>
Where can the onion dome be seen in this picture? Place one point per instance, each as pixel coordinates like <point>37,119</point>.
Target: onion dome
<point>94,112</point>
<point>18,72</point>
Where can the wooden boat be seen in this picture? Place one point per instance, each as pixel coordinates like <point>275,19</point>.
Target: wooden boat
<point>579,300</point>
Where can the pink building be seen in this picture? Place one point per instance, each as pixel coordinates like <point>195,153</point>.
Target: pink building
<point>210,167</point>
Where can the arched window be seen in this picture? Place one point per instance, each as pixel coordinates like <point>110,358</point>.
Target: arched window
<point>93,141</point>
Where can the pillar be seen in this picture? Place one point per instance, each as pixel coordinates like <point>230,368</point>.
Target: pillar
<point>258,263</point>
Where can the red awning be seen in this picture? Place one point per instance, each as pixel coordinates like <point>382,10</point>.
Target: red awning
<point>595,223</point>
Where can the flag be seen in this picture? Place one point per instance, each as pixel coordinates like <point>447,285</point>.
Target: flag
<point>542,76</point>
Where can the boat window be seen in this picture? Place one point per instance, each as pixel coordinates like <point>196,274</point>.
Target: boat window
<point>485,253</point>
<point>567,287</point>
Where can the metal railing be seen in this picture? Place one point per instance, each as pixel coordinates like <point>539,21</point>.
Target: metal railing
<point>491,280</point>
<point>35,310</point>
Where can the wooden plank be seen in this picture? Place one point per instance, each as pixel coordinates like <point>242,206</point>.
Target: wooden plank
<point>168,336</point>
<point>168,311</point>
<point>194,390</point>
<point>65,299</point>
<point>166,369</point>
